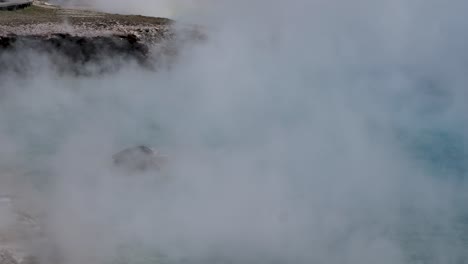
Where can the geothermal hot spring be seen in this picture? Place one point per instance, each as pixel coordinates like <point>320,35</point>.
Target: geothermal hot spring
<point>302,131</point>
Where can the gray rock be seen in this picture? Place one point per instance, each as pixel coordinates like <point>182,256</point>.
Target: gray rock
<point>139,158</point>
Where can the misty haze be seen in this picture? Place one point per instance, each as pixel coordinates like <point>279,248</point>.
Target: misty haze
<point>234,132</point>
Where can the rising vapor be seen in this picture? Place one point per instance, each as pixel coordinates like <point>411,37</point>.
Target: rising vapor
<point>297,132</point>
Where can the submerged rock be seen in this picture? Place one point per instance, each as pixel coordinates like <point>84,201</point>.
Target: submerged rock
<point>139,158</point>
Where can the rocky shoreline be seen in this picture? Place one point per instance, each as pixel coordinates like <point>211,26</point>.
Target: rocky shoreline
<point>74,51</point>
<point>83,37</point>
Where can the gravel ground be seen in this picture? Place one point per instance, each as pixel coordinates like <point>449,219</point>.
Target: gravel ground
<point>44,19</point>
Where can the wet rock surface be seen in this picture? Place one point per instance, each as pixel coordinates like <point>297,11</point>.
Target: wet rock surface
<point>78,49</point>
<point>72,54</point>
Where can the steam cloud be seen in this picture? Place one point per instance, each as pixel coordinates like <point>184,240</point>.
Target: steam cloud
<point>298,132</point>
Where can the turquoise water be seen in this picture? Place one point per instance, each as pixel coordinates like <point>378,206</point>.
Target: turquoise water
<point>314,135</point>
<point>438,151</point>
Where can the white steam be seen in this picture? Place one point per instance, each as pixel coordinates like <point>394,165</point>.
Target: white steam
<point>298,132</point>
